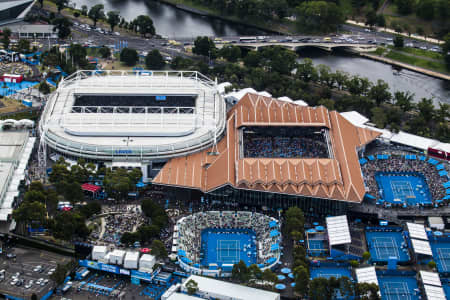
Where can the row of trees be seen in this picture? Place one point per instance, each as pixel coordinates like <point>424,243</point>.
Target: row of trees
<point>244,275</point>
<point>318,85</point>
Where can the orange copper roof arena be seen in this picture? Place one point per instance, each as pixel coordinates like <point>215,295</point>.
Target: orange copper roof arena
<point>337,178</point>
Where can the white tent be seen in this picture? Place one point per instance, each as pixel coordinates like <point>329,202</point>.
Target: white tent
<point>338,230</point>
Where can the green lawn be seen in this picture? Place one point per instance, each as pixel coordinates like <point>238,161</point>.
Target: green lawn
<point>418,62</point>
<point>419,52</point>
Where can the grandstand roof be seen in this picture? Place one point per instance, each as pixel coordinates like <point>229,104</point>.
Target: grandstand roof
<point>417,231</point>
<point>338,230</point>
<point>421,247</point>
<point>366,275</point>
<point>430,278</point>
<point>336,178</point>
<point>355,118</point>
<point>226,290</point>
<point>434,292</point>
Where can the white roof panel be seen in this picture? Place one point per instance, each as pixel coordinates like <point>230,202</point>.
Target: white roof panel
<point>227,290</point>
<point>412,140</point>
<point>338,230</point>
<point>434,292</point>
<point>417,231</point>
<point>430,278</point>
<point>421,247</point>
<point>367,275</point>
<point>181,296</point>
<point>355,118</point>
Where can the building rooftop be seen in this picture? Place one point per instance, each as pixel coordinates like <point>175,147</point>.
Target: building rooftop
<point>338,177</point>
<point>225,290</point>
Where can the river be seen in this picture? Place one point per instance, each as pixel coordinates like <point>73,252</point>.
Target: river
<point>423,86</point>
<point>170,21</point>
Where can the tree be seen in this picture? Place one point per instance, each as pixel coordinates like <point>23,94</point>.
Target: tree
<point>90,209</point>
<point>432,264</point>
<point>96,13</point>
<point>33,213</point>
<point>404,100</point>
<point>306,71</point>
<point>381,20</point>
<point>154,60</point>
<point>145,25</point>
<point>23,46</point>
<point>113,19</point>
<point>426,109</point>
<point>252,59</point>
<point>295,220</point>
<point>230,53</point>
<point>354,263</point>
<point>84,10</point>
<point>204,46</point>
<point>255,272</point>
<point>425,9</point>
<point>129,56</point>
<point>148,232</point>
<point>41,2</point>
<point>380,92</point>
<point>60,4</point>
<point>367,291</point>
<point>405,7</point>
<point>59,275</point>
<point>192,287</point>
<point>379,117</point>
<point>67,224</point>
<point>301,280</point>
<point>371,18</point>
<point>34,296</point>
<point>319,16</point>
<point>129,238</point>
<point>78,54</point>
<point>5,38</point>
<point>105,52</point>
<point>240,272</point>
<point>32,196</point>
<point>319,289</point>
<point>366,256</point>
<point>158,249</point>
<point>398,41</point>
<point>62,25</point>
<point>446,50</point>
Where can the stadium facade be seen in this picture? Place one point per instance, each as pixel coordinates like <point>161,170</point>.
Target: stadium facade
<point>321,184</point>
<point>132,119</point>
<point>12,11</point>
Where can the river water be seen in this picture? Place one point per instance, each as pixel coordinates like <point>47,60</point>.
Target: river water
<point>173,22</point>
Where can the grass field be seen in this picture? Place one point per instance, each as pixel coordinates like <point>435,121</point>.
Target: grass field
<point>10,105</point>
<point>418,62</point>
<point>420,52</point>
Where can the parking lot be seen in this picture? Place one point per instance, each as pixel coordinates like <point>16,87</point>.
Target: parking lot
<point>30,279</point>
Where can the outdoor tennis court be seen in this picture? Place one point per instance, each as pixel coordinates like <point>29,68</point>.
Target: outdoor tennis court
<point>328,272</point>
<point>399,188</point>
<point>441,254</point>
<point>383,245</point>
<point>228,246</point>
<point>316,247</point>
<point>398,287</point>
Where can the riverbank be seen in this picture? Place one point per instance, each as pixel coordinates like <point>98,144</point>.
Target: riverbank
<point>406,66</point>
<point>283,28</point>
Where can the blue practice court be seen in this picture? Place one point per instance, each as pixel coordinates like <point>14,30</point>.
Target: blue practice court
<point>383,245</point>
<point>12,88</point>
<point>399,188</point>
<point>441,255</point>
<point>317,247</point>
<point>398,288</point>
<point>228,246</point>
<point>328,272</point>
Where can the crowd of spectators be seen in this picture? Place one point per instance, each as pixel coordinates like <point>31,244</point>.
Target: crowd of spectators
<point>120,219</point>
<point>190,227</point>
<point>296,144</point>
<point>400,164</point>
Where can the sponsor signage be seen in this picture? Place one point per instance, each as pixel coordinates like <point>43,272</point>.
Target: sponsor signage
<point>141,275</point>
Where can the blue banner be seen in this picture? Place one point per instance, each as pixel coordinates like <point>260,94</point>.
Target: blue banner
<point>141,275</point>
<point>99,266</point>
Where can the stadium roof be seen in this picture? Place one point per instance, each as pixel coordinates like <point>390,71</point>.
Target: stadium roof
<point>430,278</point>
<point>434,292</point>
<point>421,247</point>
<point>338,178</point>
<point>355,118</point>
<point>412,140</point>
<point>417,231</point>
<point>181,296</point>
<point>215,288</point>
<point>338,231</point>
<point>367,275</point>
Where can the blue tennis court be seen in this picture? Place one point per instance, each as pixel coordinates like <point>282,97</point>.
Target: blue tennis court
<point>228,246</point>
<point>328,272</point>
<point>398,287</point>
<point>9,88</point>
<point>383,245</point>
<point>317,247</point>
<point>408,187</point>
<point>441,255</point>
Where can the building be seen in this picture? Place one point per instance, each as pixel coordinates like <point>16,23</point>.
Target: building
<point>12,11</point>
<point>34,31</point>
<point>16,147</point>
<point>209,288</point>
<point>226,173</point>
<point>133,119</point>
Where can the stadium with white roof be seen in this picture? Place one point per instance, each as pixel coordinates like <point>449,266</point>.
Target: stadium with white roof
<point>133,119</point>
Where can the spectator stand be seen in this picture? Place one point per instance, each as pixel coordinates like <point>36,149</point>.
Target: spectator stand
<point>385,243</point>
<point>417,240</point>
<point>405,180</point>
<point>341,245</point>
<point>398,285</point>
